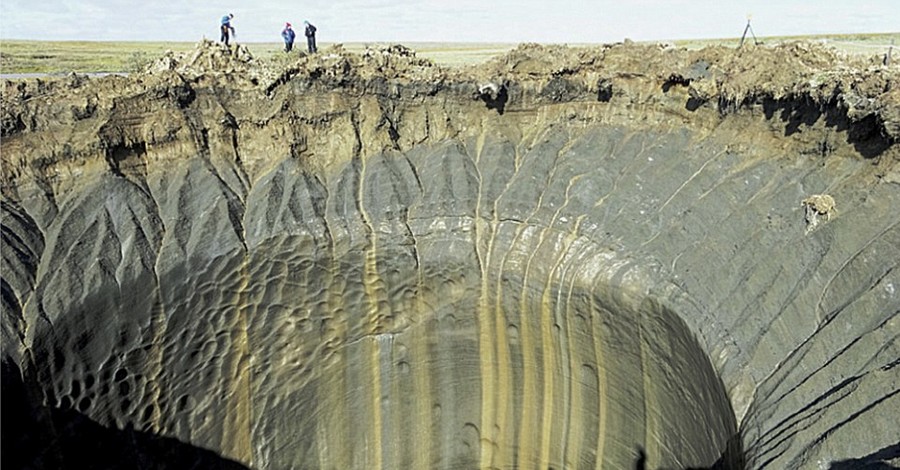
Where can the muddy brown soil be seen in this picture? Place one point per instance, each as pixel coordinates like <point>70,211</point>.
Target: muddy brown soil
<point>796,86</point>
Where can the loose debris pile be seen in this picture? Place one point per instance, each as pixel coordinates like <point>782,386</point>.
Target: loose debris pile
<point>816,206</point>
<point>719,76</point>
<point>794,82</point>
<point>237,64</point>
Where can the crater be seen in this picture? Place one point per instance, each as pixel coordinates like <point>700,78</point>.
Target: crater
<point>443,280</point>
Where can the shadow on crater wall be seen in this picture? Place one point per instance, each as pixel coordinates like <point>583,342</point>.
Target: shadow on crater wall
<point>884,459</point>
<point>40,437</point>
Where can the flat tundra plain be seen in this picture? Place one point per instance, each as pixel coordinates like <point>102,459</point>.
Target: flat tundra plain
<point>55,57</point>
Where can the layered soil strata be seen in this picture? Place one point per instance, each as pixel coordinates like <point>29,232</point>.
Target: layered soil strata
<point>562,258</point>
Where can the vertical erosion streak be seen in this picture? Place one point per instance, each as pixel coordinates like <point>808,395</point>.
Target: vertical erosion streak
<point>503,426</point>
<point>573,429</point>
<point>158,329</point>
<point>552,352</point>
<point>333,429</point>
<point>652,425</point>
<point>549,371</point>
<point>375,319</point>
<point>373,448</point>
<point>423,424</point>
<point>602,387</point>
<point>237,436</point>
<point>526,424</point>
<point>487,338</point>
<point>545,324</point>
<point>421,366</point>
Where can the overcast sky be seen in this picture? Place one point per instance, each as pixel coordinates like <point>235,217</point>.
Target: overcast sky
<point>560,21</point>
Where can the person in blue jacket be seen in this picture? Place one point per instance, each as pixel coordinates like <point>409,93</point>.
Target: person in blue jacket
<point>288,34</point>
<point>226,28</point>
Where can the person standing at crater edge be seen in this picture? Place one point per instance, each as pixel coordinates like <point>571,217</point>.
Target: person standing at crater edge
<point>226,28</point>
<point>310,37</point>
<point>288,34</point>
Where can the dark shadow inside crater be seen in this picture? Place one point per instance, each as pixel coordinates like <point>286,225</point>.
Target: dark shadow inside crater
<point>879,460</point>
<point>865,134</point>
<point>37,436</point>
<point>732,458</point>
<point>495,101</point>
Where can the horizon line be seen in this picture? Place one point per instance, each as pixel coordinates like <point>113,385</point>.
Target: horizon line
<point>374,41</point>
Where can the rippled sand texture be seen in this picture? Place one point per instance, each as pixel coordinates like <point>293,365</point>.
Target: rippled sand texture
<point>390,273</point>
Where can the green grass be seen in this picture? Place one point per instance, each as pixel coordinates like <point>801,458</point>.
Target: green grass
<point>18,56</point>
<point>81,56</point>
<point>876,43</point>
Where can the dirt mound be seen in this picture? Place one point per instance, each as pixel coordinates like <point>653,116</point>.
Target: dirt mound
<point>207,57</point>
<point>798,84</point>
<point>237,65</point>
<point>728,79</point>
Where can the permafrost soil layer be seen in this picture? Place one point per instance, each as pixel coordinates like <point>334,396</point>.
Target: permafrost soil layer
<point>621,257</point>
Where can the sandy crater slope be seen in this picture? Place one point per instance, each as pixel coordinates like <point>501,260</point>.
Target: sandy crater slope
<point>626,256</point>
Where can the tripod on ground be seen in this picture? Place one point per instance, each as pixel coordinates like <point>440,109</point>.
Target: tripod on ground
<point>744,36</point>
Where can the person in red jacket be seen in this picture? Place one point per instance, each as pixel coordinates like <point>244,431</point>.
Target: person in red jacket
<point>288,34</point>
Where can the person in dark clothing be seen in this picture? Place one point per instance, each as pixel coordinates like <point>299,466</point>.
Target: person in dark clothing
<point>288,34</point>
<point>226,28</point>
<point>310,37</point>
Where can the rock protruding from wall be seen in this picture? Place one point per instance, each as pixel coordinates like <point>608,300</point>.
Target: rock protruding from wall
<point>358,261</point>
